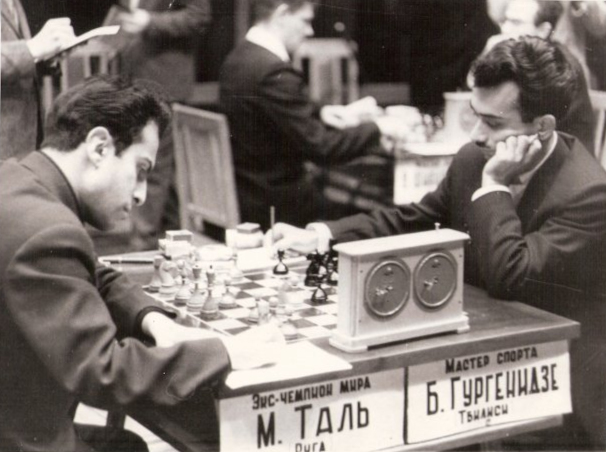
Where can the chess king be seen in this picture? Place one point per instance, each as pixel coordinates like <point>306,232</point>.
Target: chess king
<point>73,330</point>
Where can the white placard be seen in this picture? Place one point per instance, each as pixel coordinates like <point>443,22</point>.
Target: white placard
<point>465,393</point>
<point>360,413</point>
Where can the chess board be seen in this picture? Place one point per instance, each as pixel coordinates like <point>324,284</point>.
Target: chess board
<point>313,320</point>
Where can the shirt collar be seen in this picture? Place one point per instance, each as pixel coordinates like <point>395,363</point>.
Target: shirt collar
<point>525,178</point>
<point>263,38</point>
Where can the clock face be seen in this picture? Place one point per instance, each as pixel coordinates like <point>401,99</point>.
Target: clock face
<point>387,288</point>
<point>435,279</point>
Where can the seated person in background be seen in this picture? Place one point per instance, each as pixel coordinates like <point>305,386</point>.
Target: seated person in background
<point>534,203</point>
<point>73,330</point>
<point>539,18</point>
<point>274,127</point>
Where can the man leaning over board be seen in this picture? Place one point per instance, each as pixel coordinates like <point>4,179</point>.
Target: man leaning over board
<point>74,331</point>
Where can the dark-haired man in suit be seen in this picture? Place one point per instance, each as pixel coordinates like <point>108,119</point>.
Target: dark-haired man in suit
<point>533,201</point>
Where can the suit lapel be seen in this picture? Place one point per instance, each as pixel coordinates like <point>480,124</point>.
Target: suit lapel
<point>21,27</point>
<point>540,185</point>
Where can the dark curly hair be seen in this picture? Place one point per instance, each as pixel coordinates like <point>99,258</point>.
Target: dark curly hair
<point>124,108</point>
<point>548,83</point>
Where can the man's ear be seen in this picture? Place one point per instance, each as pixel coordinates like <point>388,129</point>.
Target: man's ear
<point>546,125</point>
<point>280,11</point>
<point>99,145</point>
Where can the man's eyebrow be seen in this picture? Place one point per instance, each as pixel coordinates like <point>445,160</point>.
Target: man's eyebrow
<point>484,115</point>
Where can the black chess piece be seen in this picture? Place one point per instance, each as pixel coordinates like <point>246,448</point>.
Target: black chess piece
<point>319,296</point>
<point>280,269</point>
<point>312,274</point>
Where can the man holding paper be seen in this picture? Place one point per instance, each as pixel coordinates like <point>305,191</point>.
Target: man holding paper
<point>20,104</point>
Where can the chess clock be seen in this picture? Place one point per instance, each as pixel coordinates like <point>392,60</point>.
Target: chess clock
<point>399,287</point>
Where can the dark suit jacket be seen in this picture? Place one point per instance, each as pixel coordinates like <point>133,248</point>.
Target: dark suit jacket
<point>274,130</point>
<point>68,328</point>
<point>19,103</point>
<point>164,52</point>
<point>548,252</point>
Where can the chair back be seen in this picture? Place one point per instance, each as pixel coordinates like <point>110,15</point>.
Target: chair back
<point>598,102</point>
<point>204,169</point>
<point>331,68</point>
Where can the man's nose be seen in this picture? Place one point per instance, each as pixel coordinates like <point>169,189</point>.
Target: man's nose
<point>140,193</point>
<point>478,133</point>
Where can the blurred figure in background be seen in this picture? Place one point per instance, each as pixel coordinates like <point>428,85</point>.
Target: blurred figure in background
<point>20,128</point>
<point>161,48</point>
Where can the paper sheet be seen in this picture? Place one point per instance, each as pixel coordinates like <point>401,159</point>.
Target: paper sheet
<point>300,359</point>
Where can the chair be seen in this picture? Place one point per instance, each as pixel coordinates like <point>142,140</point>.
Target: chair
<point>332,70</point>
<point>598,101</point>
<point>204,169</point>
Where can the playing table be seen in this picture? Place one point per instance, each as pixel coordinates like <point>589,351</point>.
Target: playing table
<point>508,375</point>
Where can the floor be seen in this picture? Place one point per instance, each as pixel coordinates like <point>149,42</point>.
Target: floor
<point>94,416</point>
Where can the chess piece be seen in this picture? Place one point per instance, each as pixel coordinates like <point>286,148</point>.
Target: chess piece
<point>288,328</point>
<point>319,295</point>
<point>228,300</point>
<point>210,309</point>
<point>198,277</point>
<point>183,294</point>
<point>263,309</point>
<point>236,274</point>
<point>197,300</point>
<point>168,286</point>
<point>156,281</point>
<point>280,269</point>
<point>273,304</point>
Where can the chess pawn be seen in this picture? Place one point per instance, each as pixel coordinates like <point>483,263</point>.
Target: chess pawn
<point>263,309</point>
<point>273,304</point>
<point>197,300</point>
<point>319,295</point>
<point>156,281</point>
<point>210,310</point>
<point>228,300</point>
<point>236,274</point>
<point>280,269</point>
<point>288,328</point>
<point>283,292</point>
<point>183,294</point>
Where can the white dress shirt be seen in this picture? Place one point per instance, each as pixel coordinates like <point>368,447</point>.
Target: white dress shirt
<point>260,36</point>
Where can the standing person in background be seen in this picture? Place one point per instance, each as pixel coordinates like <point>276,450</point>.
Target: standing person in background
<point>162,38</point>
<point>20,127</point>
<point>582,29</point>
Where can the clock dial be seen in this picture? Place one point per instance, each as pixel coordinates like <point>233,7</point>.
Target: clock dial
<point>435,279</point>
<point>387,288</point>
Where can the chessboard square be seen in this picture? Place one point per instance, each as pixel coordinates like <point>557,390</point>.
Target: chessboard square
<point>270,282</point>
<point>247,286</point>
<point>227,324</point>
<point>330,308</point>
<point>236,313</point>
<point>262,292</point>
<point>302,323</point>
<point>257,276</point>
<point>308,312</point>
<point>315,332</point>
<point>323,320</point>
<point>248,302</point>
<point>236,331</point>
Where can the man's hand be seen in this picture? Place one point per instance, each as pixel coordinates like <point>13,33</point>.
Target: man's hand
<point>338,116</point>
<point>166,332</point>
<point>55,35</point>
<point>256,347</point>
<point>134,22</point>
<point>289,237</point>
<point>513,157</point>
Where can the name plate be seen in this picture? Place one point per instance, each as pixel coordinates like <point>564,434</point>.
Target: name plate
<point>364,412</point>
<point>466,393</point>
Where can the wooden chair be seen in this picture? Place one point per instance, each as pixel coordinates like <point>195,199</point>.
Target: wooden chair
<point>204,169</point>
<point>331,68</point>
<point>598,101</point>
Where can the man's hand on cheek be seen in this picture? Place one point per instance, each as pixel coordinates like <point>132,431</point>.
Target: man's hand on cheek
<point>513,157</point>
